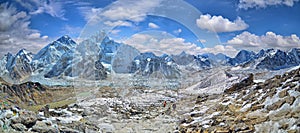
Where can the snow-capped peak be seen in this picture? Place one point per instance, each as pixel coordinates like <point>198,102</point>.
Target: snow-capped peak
<point>24,54</point>
<point>66,40</point>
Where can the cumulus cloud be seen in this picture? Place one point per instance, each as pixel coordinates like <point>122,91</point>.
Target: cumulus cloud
<point>15,32</point>
<point>246,4</point>
<point>120,11</point>
<point>269,40</point>
<point>220,24</point>
<point>149,43</point>
<point>225,49</point>
<point>153,26</point>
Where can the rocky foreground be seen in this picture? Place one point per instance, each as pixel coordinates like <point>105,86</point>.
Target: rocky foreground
<point>269,106</point>
<point>272,105</point>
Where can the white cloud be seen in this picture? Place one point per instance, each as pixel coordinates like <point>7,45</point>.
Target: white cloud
<point>9,16</point>
<point>153,26</point>
<point>120,11</point>
<point>177,32</point>
<point>148,43</point>
<point>227,50</point>
<point>15,32</point>
<point>269,40</point>
<point>51,7</point>
<point>246,4</point>
<point>34,36</point>
<point>115,31</point>
<point>220,24</point>
<point>90,13</point>
<point>118,23</point>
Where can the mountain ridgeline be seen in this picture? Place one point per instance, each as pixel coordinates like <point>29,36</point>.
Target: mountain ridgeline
<point>99,56</point>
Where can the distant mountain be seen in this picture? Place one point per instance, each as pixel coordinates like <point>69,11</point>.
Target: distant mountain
<point>183,58</point>
<point>19,66</point>
<point>148,64</point>
<point>98,56</point>
<point>53,52</point>
<point>294,54</point>
<point>242,57</point>
<point>108,48</point>
<point>122,61</point>
<point>81,62</point>
<point>275,60</point>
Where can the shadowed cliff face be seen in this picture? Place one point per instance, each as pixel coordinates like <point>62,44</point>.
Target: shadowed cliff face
<point>33,93</point>
<point>28,93</point>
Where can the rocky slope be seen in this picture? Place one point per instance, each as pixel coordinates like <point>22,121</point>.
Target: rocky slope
<point>270,106</point>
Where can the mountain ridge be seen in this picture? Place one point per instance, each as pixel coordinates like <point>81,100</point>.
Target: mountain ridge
<point>94,59</point>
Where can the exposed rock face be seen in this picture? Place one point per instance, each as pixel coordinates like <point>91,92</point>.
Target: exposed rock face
<point>20,65</point>
<point>242,57</point>
<point>28,93</point>
<point>238,86</point>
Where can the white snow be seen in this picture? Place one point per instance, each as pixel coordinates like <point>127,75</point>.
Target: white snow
<point>246,107</point>
<point>259,80</point>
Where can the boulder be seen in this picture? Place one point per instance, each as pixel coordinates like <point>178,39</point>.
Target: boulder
<point>42,127</point>
<point>19,127</point>
<point>238,86</point>
<point>28,118</point>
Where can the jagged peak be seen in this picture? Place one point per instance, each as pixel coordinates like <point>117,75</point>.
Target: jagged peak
<point>64,37</point>
<point>183,53</point>
<point>8,54</point>
<point>65,40</point>
<point>23,51</point>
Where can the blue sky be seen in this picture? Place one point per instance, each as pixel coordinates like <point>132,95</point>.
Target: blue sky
<point>194,26</point>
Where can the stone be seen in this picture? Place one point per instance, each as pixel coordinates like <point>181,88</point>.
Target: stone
<point>196,114</point>
<point>28,118</point>
<point>42,127</point>
<point>19,127</point>
<point>283,93</point>
<point>256,107</point>
<point>238,86</point>
<point>201,98</point>
<point>222,130</point>
<point>290,100</point>
<point>276,105</point>
<point>233,108</point>
<point>15,120</point>
<point>292,131</point>
<point>260,120</point>
<point>240,127</point>
<point>67,130</point>
<point>284,126</point>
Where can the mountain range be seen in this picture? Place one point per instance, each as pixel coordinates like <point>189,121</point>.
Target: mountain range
<point>99,56</point>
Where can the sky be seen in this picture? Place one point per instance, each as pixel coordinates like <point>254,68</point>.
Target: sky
<point>159,26</point>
